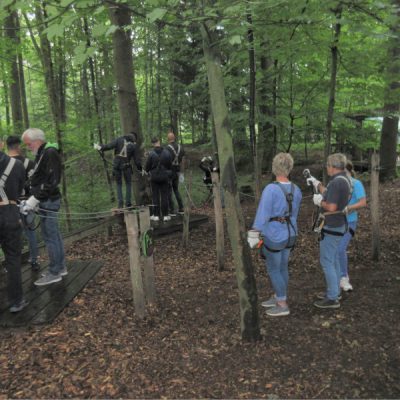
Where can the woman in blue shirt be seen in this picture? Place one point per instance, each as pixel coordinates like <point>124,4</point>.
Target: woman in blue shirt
<point>358,200</point>
<point>276,223</point>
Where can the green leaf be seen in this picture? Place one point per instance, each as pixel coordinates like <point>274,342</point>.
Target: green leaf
<point>54,30</point>
<point>66,3</point>
<point>236,39</point>
<point>157,13</point>
<point>111,30</point>
<point>99,30</point>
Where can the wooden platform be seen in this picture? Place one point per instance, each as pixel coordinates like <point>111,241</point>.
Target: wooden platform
<point>45,302</point>
<point>176,224</point>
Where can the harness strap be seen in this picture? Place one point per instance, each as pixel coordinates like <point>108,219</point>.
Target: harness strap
<point>4,178</point>
<point>124,150</point>
<point>334,233</point>
<point>176,154</point>
<point>26,163</point>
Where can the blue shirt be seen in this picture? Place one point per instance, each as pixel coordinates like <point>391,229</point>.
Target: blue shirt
<point>357,195</point>
<point>273,204</point>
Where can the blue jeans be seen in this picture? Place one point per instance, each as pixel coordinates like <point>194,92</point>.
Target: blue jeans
<point>277,267</point>
<point>329,259</point>
<point>51,234</point>
<point>344,243</point>
<point>32,242</point>
<point>119,172</point>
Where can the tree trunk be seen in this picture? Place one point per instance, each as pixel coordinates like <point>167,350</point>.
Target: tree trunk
<point>390,126</point>
<point>332,86</point>
<point>125,79</point>
<point>236,227</point>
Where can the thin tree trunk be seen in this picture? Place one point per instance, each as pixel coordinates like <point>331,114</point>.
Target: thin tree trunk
<point>236,226</point>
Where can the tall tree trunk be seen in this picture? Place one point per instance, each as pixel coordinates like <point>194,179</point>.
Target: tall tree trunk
<point>125,78</point>
<point>158,80</point>
<point>390,126</point>
<point>235,221</point>
<point>332,86</point>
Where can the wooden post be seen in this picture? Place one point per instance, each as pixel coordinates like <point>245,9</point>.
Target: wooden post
<point>219,221</point>
<point>186,214</point>
<point>132,230</point>
<point>147,261</point>
<point>374,191</point>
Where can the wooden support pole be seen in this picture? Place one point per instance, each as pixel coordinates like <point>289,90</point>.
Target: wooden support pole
<point>219,221</point>
<point>132,230</point>
<point>147,260</point>
<point>374,191</point>
<point>186,214</point>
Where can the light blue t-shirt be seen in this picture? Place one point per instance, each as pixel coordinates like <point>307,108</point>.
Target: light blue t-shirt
<point>358,194</point>
<point>273,204</point>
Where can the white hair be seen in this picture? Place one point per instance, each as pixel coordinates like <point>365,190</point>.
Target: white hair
<point>282,164</point>
<point>34,134</point>
<point>337,160</point>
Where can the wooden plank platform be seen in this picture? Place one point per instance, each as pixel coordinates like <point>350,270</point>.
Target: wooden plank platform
<point>46,302</point>
<point>176,224</point>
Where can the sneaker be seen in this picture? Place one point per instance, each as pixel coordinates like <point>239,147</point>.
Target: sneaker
<point>345,284</point>
<point>47,279</point>
<point>172,214</point>
<point>167,218</point>
<point>181,212</point>
<point>18,306</point>
<point>35,266</point>
<point>64,272</point>
<point>326,303</point>
<point>278,311</point>
<point>322,296</point>
<point>269,303</point>
<point>154,218</point>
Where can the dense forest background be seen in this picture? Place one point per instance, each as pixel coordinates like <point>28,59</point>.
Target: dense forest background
<point>297,76</point>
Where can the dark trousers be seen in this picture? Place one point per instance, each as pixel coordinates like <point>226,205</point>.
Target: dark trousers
<point>123,169</point>
<point>11,244</point>
<point>160,199</point>
<point>174,187</point>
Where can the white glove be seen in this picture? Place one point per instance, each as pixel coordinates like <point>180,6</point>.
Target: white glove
<point>203,159</point>
<point>29,205</point>
<point>181,178</point>
<point>143,172</point>
<point>96,146</point>
<point>313,181</point>
<point>317,199</point>
<point>253,238</point>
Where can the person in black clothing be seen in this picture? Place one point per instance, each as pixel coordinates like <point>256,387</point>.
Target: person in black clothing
<point>14,150</point>
<point>177,154</point>
<point>12,179</point>
<point>45,196</point>
<point>158,165</point>
<point>125,149</point>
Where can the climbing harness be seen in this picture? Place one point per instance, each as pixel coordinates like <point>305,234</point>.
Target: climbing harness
<point>175,161</point>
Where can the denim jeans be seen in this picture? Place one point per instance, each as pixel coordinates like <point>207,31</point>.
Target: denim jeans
<point>32,242</point>
<point>51,234</point>
<point>126,173</point>
<point>277,267</point>
<point>344,243</point>
<point>329,259</point>
<point>174,188</point>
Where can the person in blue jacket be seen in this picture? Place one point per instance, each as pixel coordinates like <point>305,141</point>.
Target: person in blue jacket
<point>358,200</point>
<point>276,224</point>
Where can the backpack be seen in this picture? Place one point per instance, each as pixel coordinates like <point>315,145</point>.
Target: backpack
<point>159,174</point>
<point>268,243</point>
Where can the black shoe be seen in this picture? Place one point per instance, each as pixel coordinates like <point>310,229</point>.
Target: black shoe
<point>326,303</point>
<point>18,306</point>
<point>322,296</point>
<point>35,266</point>
<point>128,205</point>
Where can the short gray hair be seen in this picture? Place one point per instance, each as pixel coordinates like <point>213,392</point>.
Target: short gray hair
<point>337,160</point>
<point>282,164</point>
<point>34,134</point>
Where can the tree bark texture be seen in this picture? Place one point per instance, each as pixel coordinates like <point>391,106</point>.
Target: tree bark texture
<point>236,227</point>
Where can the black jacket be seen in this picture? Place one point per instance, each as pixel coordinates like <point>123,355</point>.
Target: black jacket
<point>47,176</point>
<point>158,153</point>
<point>15,181</point>
<point>131,151</point>
<point>29,167</point>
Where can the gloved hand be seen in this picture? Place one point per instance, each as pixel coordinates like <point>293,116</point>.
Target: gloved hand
<point>253,238</point>
<point>346,210</point>
<point>96,146</point>
<point>313,181</point>
<point>317,199</point>
<point>143,172</point>
<point>181,178</point>
<point>29,205</point>
<point>203,159</point>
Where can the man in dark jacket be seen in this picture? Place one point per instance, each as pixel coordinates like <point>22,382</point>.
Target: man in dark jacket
<point>12,179</point>
<point>177,153</point>
<point>14,150</point>
<point>125,149</point>
<point>45,196</point>
<point>158,165</point>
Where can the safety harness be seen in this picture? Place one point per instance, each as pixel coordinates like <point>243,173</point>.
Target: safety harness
<point>3,180</point>
<point>175,161</point>
<point>124,150</point>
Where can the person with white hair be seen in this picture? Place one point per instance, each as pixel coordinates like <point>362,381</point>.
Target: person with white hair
<point>45,197</point>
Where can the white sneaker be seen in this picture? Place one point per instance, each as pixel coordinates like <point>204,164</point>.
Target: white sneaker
<point>167,218</point>
<point>345,284</point>
<point>154,218</point>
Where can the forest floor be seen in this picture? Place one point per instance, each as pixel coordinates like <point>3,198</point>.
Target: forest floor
<point>189,345</point>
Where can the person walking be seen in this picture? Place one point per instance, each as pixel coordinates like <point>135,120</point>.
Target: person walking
<point>12,179</point>
<point>14,150</point>
<point>125,150</point>
<point>276,225</point>
<point>45,196</point>
<point>158,165</point>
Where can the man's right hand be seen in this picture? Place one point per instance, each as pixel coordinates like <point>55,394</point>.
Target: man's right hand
<point>253,238</point>
<point>313,181</point>
<point>96,146</point>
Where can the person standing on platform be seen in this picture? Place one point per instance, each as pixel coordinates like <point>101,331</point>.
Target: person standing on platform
<point>177,154</point>
<point>45,195</point>
<point>12,179</point>
<point>158,165</point>
<point>14,150</point>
